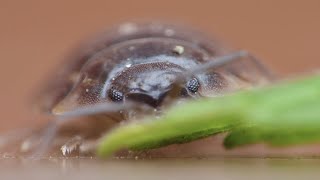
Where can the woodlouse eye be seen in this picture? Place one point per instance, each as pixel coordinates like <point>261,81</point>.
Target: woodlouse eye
<point>115,95</point>
<point>193,85</point>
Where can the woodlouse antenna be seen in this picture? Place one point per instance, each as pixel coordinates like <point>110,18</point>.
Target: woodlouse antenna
<point>225,60</point>
<point>216,63</point>
<point>219,62</point>
<point>47,139</point>
<point>95,109</point>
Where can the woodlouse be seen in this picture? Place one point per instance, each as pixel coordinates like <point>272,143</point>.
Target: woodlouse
<point>147,65</point>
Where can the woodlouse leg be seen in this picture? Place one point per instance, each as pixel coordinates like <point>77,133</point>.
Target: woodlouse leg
<point>13,135</point>
<point>88,146</point>
<point>79,146</point>
<point>76,142</point>
<point>10,140</point>
<point>71,145</point>
<point>19,142</point>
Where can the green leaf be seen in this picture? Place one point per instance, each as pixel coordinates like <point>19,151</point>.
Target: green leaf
<point>281,115</point>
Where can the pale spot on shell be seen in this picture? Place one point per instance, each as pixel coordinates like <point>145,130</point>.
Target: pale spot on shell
<point>131,48</point>
<point>178,49</point>
<point>128,28</point>
<point>87,80</point>
<point>74,77</point>
<point>169,32</point>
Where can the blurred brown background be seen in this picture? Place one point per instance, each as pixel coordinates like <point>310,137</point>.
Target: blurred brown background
<point>36,34</point>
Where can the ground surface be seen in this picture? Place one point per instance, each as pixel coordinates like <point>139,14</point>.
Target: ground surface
<point>161,169</point>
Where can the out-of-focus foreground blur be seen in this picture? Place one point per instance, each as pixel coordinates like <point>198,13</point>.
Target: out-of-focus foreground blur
<point>36,35</point>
